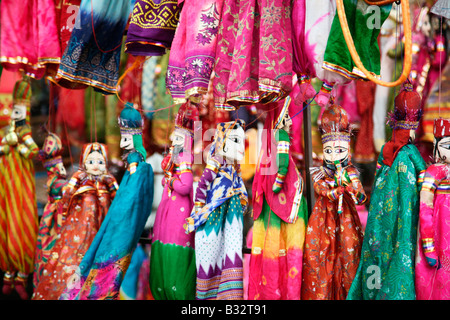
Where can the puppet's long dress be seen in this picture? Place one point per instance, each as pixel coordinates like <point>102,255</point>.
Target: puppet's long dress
<point>433,283</point>
<point>88,201</point>
<point>104,265</point>
<point>333,240</point>
<point>386,269</point>
<point>172,260</point>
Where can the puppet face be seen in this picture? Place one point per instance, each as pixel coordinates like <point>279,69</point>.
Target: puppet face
<point>426,26</point>
<point>234,146</point>
<point>126,141</point>
<point>19,112</point>
<point>336,150</point>
<point>178,139</point>
<point>95,163</point>
<point>443,149</point>
<point>287,122</point>
<point>61,170</point>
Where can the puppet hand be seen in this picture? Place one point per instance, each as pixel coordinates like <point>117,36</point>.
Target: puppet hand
<point>430,252</point>
<point>278,184</point>
<point>5,149</point>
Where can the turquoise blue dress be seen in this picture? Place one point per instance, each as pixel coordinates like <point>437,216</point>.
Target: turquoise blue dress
<point>104,265</point>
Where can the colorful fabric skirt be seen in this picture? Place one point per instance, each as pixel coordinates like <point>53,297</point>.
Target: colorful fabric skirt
<point>193,51</point>
<point>218,253</point>
<point>101,272</point>
<point>49,228</point>
<point>254,53</point>
<point>92,56</point>
<point>277,256</point>
<point>18,213</point>
<point>152,27</point>
<point>364,32</point>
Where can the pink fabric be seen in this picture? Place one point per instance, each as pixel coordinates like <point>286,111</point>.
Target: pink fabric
<point>431,282</point>
<point>267,171</point>
<point>254,53</point>
<point>172,212</point>
<point>193,51</point>
<point>29,37</point>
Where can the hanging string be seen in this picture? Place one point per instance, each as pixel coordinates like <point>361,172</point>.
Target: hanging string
<point>68,140</point>
<point>95,118</point>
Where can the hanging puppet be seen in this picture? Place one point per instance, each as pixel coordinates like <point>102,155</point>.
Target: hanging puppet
<point>172,260</point>
<point>386,269</point>
<point>85,203</point>
<point>18,208</point>
<point>334,234</point>
<point>217,217</point>
<point>432,271</point>
<point>100,273</point>
<point>279,213</point>
<point>51,220</point>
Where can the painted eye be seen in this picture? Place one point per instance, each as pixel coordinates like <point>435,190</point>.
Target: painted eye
<point>341,150</point>
<point>328,151</point>
<point>100,162</point>
<point>91,162</point>
<point>445,146</point>
<point>235,140</point>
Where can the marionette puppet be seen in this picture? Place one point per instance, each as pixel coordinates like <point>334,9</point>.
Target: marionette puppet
<point>217,217</point>
<point>433,249</point>
<point>85,202</point>
<point>280,215</point>
<point>334,233</point>
<point>18,208</point>
<point>100,273</point>
<point>172,260</point>
<point>51,220</point>
<point>386,269</point>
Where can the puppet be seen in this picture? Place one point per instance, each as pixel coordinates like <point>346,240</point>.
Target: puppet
<point>334,233</point>
<point>217,217</point>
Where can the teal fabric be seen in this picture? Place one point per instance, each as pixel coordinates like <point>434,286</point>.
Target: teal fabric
<point>363,25</point>
<point>129,285</point>
<point>386,268</point>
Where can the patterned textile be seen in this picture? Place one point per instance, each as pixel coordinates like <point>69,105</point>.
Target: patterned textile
<point>364,33</point>
<point>432,282</point>
<point>172,260</point>
<point>217,219</point>
<point>193,50</point>
<point>364,146</point>
<point>277,256</point>
<point>29,37</point>
<point>109,254</point>
<point>66,14</point>
<point>92,56</point>
<point>386,269</point>
<point>152,27</point>
<point>86,200</point>
<point>333,240</point>
<point>219,182</point>
<point>50,224</point>
<point>254,53</point>
<point>218,253</point>
<point>18,208</point>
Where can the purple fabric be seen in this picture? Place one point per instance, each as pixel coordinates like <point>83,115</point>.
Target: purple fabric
<point>152,27</point>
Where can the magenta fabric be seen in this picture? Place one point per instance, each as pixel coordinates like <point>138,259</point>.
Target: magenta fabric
<point>175,206</point>
<point>266,173</point>
<point>193,51</point>
<point>254,53</point>
<point>433,283</point>
<point>29,37</point>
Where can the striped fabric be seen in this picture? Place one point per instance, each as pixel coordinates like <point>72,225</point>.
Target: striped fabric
<point>18,213</point>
